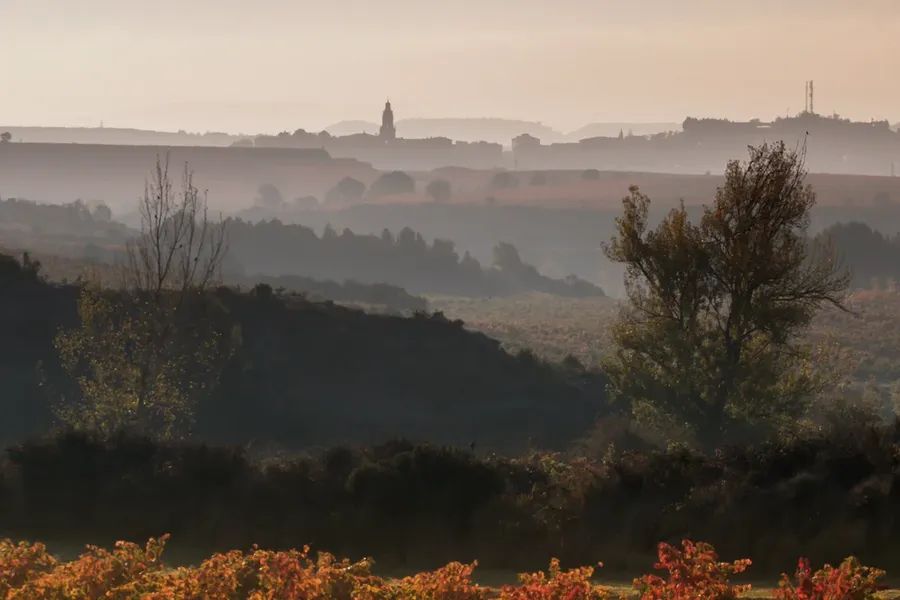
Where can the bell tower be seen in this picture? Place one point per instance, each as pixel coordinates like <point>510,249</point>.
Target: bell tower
<point>387,132</point>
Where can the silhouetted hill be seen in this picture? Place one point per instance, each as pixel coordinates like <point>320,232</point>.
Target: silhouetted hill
<point>307,374</point>
<point>116,135</point>
<point>612,130</point>
<point>371,295</point>
<point>352,127</point>
<point>475,129</point>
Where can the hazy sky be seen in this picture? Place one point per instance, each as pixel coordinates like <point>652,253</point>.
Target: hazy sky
<point>268,65</point>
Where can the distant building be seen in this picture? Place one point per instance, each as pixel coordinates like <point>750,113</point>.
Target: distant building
<point>388,132</point>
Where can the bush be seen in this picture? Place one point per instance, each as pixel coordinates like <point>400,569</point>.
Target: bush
<point>574,584</point>
<point>695,573</point>
<point>439,190</point>
<point>850,581</point>
<point>98,573</point>
<point>452,582</point>
<point>395,182</point>
<point>20,563</point>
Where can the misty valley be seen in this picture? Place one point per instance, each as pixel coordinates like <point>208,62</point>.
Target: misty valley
<point>369,330</point>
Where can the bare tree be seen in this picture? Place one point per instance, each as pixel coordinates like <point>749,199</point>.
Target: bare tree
<point>179,248</point>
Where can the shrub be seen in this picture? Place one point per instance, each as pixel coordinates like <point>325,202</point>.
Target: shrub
<point>452,582</point>
<point>850,581</point>
<point>574,584</point>
<point>263,575</point>
<point>695,573</point>
<point>98,573</point>
<point>22,562</point>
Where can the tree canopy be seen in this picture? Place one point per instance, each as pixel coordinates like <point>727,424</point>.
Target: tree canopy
<point>707,346</point>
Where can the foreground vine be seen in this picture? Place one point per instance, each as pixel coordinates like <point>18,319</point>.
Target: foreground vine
<point>132,572</point>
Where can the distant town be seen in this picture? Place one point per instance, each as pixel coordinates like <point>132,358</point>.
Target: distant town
<point>832,144</point>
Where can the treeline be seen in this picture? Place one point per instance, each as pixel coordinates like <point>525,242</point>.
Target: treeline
<point>418,506</point>
<point>75,219</point>
<point>301,374</point>
<point>407,260</point>
<point>76,241</point>
<point>872,257</point>
<point>371,295</point>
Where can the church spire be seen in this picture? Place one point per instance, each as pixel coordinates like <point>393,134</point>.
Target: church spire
<point>388,132</point>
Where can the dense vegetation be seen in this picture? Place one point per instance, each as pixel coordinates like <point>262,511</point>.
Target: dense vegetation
<point>407,260</point>
<point>872,257</point>
<point>73,219</point>
<point>419,506</point>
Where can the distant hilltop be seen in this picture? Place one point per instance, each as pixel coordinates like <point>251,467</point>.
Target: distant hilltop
<point>496,130</point>
<point>832,145</point>
<point>122,136</point>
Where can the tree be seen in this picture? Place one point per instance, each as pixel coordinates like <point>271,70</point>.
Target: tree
<point>439,190</point>
<point>708,344</point>
<point>395,182</point>
<point>503,180</point>
<point>268,196</point>
<point>143,354</point>
<point>102,213</point>
<point>347,191</point>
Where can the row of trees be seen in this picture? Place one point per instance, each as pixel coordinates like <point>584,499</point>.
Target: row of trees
<point>405,259</point>
<point>349,191</point>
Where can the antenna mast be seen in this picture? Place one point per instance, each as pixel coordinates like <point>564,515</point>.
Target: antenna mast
<point>811,107</point>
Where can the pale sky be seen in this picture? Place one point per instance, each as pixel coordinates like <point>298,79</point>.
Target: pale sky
<point>268,65</point>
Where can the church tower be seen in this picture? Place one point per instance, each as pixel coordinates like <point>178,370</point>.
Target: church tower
<point>388,132</point>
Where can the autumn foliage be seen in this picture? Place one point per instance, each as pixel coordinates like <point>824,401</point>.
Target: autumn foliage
<point>132,572</point>
<point>849,581</point>
<point>694,572</point>
<point>556,584</point>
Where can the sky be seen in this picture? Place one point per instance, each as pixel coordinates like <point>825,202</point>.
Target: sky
<point>272,65</point>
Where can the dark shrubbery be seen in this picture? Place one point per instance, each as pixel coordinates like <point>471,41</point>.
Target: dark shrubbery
<point>419,506</point>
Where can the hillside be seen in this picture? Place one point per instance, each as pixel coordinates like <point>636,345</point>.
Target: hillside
<point>613,129</point>
<point>115,135</point>
<point>308,374</point>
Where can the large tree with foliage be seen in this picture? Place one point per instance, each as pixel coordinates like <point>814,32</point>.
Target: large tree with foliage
<point>707,345</point>
<point>142,354</point>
